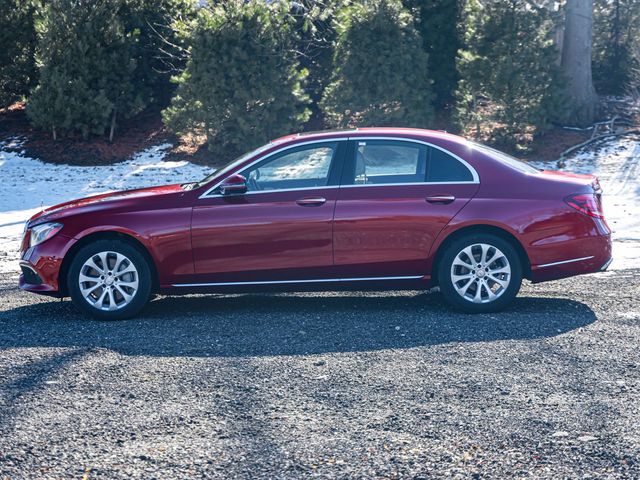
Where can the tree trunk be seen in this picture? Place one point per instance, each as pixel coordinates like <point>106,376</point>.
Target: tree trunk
<point>113,125</point>
<point>476,116</point>
<point>558,40</point>
<point>576,60</point>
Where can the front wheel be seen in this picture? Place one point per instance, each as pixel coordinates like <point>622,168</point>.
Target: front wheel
<point>110,280</point>
<point>480,273</point>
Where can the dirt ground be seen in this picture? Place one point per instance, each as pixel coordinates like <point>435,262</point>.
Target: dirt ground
<point>146,130</point>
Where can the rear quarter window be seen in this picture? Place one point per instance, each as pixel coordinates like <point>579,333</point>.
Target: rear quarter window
<point>443,167</point>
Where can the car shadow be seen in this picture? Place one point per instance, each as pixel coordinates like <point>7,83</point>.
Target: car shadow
<point>265,325</point>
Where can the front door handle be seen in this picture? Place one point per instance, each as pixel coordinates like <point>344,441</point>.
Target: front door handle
<point>442,199</point>
<point>311,201</point>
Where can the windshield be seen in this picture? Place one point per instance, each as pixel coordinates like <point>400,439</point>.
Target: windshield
<point>231,164</point>
<point>506,159</point>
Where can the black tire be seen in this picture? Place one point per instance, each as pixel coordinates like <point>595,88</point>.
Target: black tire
<point>449,290</point>
<point>139,299</point>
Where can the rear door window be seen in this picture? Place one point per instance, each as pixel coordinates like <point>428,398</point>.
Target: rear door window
<point>380,162</point>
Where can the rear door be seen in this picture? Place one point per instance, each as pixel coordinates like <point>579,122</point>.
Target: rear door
<point>396,196</point>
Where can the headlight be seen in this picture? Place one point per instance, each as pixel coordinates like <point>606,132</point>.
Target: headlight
<point>43,232</point>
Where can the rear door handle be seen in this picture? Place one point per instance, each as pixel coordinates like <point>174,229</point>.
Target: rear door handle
<point>311,201</point>
<point>443,199</point>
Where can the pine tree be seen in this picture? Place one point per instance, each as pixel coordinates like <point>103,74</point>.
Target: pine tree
<point>615,36</point>
<point>510,80</point>
<point>17,40</point>
<point>314,40</point>
<point>87,66</point>
<point>241,86</point>
<point>157,47</point>
<point>380,73</point>
<point>437,22</point>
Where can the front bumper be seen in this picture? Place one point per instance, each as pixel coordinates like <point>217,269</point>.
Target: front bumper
<point>41,266</point>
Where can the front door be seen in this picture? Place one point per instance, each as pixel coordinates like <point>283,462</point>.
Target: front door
<point>280,229</point>
<point>395,198</point>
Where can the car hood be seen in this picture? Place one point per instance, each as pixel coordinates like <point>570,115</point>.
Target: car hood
<point>67,208</point>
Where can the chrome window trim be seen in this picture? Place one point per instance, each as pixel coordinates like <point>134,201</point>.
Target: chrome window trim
<point>408,184</point>
<point>552,264</point>
<point>286,282</point>
<point>332,187</point>
<point>275,152</point>
<point>217,195</point>
<point>474,173</point>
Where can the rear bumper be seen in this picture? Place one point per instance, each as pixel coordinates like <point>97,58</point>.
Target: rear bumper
<point>574,257</point>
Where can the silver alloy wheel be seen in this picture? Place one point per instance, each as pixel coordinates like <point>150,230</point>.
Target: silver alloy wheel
<point>480,273</point>
<point>108,281</point>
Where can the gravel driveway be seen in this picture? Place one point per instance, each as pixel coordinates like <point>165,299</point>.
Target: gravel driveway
<point>328,385</point>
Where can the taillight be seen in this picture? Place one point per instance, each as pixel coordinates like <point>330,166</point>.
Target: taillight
<point>587,203</point>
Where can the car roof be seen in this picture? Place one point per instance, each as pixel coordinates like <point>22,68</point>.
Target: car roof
<point>371,131</point>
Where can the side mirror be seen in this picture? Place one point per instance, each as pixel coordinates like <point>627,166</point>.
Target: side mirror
<point>234,184</point>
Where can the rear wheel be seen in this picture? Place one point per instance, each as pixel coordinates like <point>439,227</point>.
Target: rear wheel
<point>110,280</point>
<point>480,273</point>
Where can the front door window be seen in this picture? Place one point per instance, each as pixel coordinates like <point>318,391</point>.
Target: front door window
<point>304,167</point>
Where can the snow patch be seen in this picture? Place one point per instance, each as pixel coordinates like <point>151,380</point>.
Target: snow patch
<point>616,162</point>
<point>28,185</point>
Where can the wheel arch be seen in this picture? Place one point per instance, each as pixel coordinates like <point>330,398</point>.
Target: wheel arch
<point>478,229</point>
<point>105,235</point>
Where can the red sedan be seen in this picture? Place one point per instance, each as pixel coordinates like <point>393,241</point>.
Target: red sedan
<point>373,208</point>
